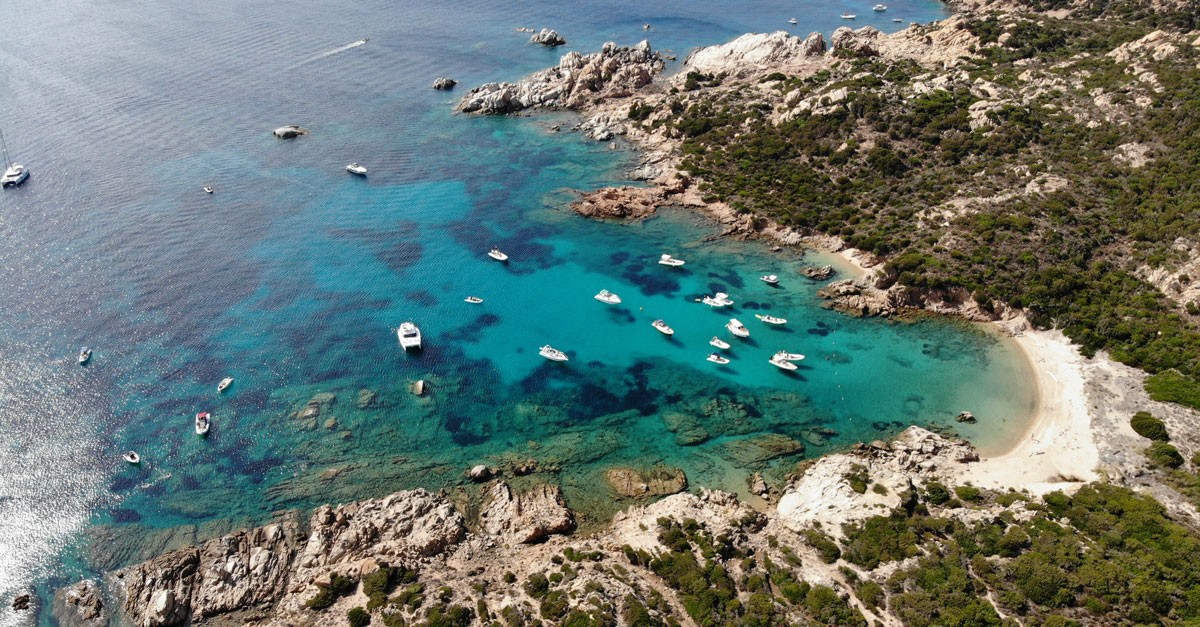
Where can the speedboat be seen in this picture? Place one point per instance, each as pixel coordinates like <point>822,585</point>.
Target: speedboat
<point>224,384</point>
<point>717,359</point>
<point>662,327</point>
<point>897,20</point>
<point>848,16</point>
<point>769,279</point>
<point>410,336</point>
<point>553,354</point>
<point>85,354</point>
<point>719,343</point>
<point>203,422</point>
<point>355,168</point>
<point>770,319</point>
<point>14,173</point>
<point>474,300</point>
<point>668,260</point>
<point>880,8</point>
<point>132,457</point>
<point>208,189</point>
<point>720,299</point>
<point>781,363</point>
<point>736,327</point>
<point>497,255</point>
<point>608,297</point>
<point>793,21</point>
<point>789,356</point>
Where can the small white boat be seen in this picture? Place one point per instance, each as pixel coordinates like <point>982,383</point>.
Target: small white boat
<point>553,354</point>
<point>608,297</point>
<point>770,319</point>
<point>355,168</point>
<point>208,189</point>
<point>409,335</point>
<point>719,343</point>
<point>668,260</point>
<point>793,21</point>
<point>720,299</point>
<point>474,300</point>
<point>224,384</point>
<point>203,422</point>
<point>848,16</point>
<point>717,359</point>
<point>132,457</point>
<point>736,327</point>
<point>85,354</point>
<point>769,279</point>
<point>897,20</point>
<point>497,255</point>
<point>880,8</point>
<point>782,364</point>
<point>662,327</point>
<point>14,173</point>
<point>789,356</point>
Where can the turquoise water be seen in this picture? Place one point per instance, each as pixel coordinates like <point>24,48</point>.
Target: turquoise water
<point>293,276</point>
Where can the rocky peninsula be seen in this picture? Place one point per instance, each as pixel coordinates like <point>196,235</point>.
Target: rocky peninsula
<point>917,531</point>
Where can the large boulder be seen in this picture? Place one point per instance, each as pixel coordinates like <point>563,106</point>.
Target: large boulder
<point>290,131</point>
<point>80,605</point>
<point>528,517</point>
<point>858,43</point>
<point>755,53</point>
<point>444,83</point>
<point>547,37</point>
<point>653,482</point>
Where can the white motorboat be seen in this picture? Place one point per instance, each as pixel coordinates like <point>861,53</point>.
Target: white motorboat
<point>717,359</point>
<point>474,300</point>
<point>793,21</point>
<point>668,260</point>
<point>85,354</point>
<point>497,255</point>
<point>662,327</point>
<point>782,364</point>
<point>719,343</point>
<point>720,299</point>
<point>224,384</point>
<point>848,16</point>
<point>14,173</point>
<point>132,457</point>
<point>789,356</point>
<point>608,298</point>
<point>553,354</point>
<point>736,327</point>
<point>203,422</point>
<point>770,319</point>
<point>355,168</point>
<point>769,279</point>
<point>208,189</point>
<point>880,8</point>
<point>897,20</point>
<point>410,336</point>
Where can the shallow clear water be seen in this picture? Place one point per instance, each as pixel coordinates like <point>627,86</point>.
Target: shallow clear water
<point>293,276</point>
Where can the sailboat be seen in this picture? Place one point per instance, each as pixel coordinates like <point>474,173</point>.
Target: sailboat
<point>14,173</point>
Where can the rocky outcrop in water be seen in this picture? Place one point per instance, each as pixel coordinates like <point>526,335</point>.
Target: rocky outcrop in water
<point>547,37</point>
<point>290,131</point>
<point>79,605</point>
<point>654,482</point>
<point>577,80</point>
<point>443,83</point>
<point>619,202</point>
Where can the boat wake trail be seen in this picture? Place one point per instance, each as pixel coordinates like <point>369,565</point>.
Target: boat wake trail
<point>330,53</point>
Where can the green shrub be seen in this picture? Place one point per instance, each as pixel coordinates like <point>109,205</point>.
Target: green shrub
<point>968,493</point>
<point>826,548</point>
<point>452,616</point>
<point>358,617</point>
<point>537,585</point>
<point>1150,427</point>
<point>870,593</point>
<point>339,585</point>
<point>1164,455</point>
<point>858,478</point>
<point>936,493</point>
<point>554,605</point>
<point>1196,459</point>
<point>1172,387</point>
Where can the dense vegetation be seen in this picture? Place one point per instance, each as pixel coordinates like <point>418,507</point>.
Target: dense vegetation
<point>875,163</point>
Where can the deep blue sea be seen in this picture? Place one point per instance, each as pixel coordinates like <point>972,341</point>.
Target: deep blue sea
<point>293,276</point>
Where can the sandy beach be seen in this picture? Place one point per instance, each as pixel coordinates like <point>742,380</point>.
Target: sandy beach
<point>1058,449</point>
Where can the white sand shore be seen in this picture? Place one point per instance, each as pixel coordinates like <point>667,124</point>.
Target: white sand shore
<point>1058,449</point>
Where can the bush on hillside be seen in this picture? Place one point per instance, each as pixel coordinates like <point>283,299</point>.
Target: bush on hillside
<point>1164,455</point>
<point>1150,427</point>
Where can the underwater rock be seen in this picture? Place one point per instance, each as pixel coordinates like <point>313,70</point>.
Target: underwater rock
<point>818,436</point>
<point>443,83</point>
<point>480,473</point>
<point>753,452</point>
<point>290,131</point>
<point>79,605</point>
<point>316,405</point>
<point>366,399</point>
<point>687,430</point>
<point>657,481</point>
<point>965,416</point>
<point>523,468</point>
<point>528,517</point>
<point>21,602</point>
<point>331,424</point>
